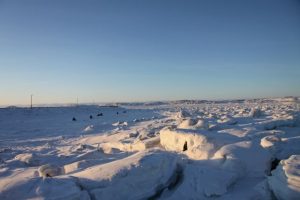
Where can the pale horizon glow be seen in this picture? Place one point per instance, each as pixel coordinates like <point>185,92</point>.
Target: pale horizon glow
<point>137,51</point>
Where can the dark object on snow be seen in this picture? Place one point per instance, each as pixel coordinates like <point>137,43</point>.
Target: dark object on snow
<point>74,119</point>
<point>124,111</point>
<point>100,114</point>
<point>185,147</point>
<point>117,113</point>
<point>91,116</point>
<point>274,164</point>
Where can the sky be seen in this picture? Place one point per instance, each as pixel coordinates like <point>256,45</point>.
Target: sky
<point>147,50</point>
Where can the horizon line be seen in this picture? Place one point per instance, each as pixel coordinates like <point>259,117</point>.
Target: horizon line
<point>150,101</point>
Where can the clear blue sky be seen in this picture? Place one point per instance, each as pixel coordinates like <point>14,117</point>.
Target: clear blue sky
<point>144,50</point>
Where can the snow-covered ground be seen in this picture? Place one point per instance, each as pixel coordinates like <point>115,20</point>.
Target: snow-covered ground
<point>164,150</point>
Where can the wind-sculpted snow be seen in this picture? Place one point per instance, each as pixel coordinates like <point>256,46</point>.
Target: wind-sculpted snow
<point>236,157</point>
<point>136,177</point>
<point>190,123</point>
<point>197,145</point>
<point>202,180</point>
<point>285,180</point>
<point>244,149</point>
<point>26,186</point>
<point>28,159</point>
<point>50,170</point>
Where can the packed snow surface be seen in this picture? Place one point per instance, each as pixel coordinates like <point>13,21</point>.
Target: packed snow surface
<point>245,149</point>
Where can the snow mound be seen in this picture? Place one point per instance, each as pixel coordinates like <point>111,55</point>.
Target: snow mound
<point>88,128</point>
<point>187,123</point>
<point>81,147</point>
<point>182,114</point>
<point>255,113</point>
<point>137,145</point>
<point>202,124</point>
<point>269,141</point>
<point>28,158</point>
<point>193,124</point>
<point>49,188</point>
<point>216,184</point>
<point>277,123</point>
<point>139,176</point>
<point>226,120</point>
<point>263,191</point>
<point>235,158</point>
<point>289,146</point>
<point>120,124</point>
<point>285,179</point>
<point>49,170</point>
<point>281,148</point>
<point>196,145</point>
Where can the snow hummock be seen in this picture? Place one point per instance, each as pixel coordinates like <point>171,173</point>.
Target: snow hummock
<point>201,181</point>
<point>255,112</point>
<point>270,141</point>
<point>136,177</point>
<point>191,123</point>
<point>29,159</point>
<point>49,170</point>
<point>89,128</point>
<point>285,179</point>
<point>182,114</point>
<point>195,144</point>
<point>48,188</point>
<point>235,157</point>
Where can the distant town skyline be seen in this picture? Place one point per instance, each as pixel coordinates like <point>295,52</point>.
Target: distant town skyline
<point>118,51</point>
